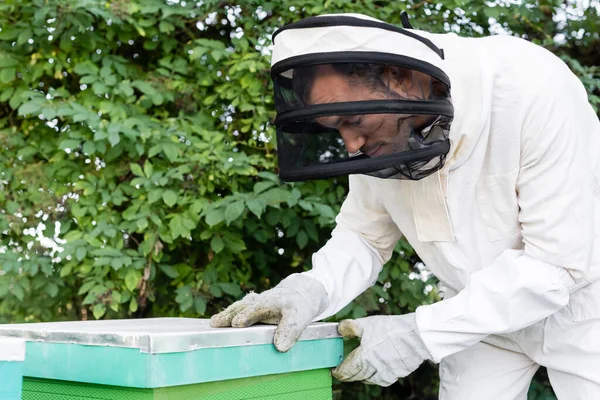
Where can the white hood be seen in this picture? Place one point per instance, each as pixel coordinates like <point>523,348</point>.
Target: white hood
<point>310,40</point>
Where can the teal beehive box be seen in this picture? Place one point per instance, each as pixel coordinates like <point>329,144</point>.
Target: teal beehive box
<point>12,356</point>
<point>172,358</point>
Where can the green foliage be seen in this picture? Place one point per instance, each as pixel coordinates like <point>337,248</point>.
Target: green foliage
<point>137,158</point>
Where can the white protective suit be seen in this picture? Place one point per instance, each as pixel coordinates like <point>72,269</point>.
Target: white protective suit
<point>510,226</point>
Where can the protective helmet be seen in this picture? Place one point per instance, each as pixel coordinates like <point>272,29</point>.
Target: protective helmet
<point>355,95</point>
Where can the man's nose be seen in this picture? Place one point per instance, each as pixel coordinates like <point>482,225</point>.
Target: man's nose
<point>353,140</point>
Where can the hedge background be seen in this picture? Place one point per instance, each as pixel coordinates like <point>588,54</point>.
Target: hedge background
<point>137,159</point>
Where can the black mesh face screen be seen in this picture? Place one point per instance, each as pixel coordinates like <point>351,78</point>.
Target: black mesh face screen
<point>414,170</point>
<point>384,120</point>
<point>321,155</point>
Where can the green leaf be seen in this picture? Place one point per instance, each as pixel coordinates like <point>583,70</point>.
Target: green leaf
<point>217,244</point>
<point>200,305</point>
<point>6,94</point>
<point>99,310</point>
<point>116,263</point>
<point>215,216</point>
<point>80,253</point>
<point>4,288</point>
<point>197,207</point>
<point>144,87</point>
<point>18,291</point>
<point>102,261</point>
<point>99,88</point>
<point>133,305</point>
<point>311,229</point>
<point>262,186</point>
<point>171,151</point>
<point>256,206</point>
<point>86,68</point>
<point>132,279</point>
<point>158,99</point>
<point>146,246</point>
<point>113,137</point>
<point>31,107</point>
<point>27,152</point>
<point>24,36</point>
<point>154,195</point>
<point>86,287</point>
<point>136,169</point>
<point>234,211</point>
<point>170,198</point>
<point>234,243</point>
<point>116,296</point>
<point>188,223</point>
<point>179,227</point>
<point>114,306</point>
<point>8,33</point>
<point>52,289</point>
<point>325,210</point>
<point>107,252</point>
<point>270,176</point>
<point>156,219</point>
<point>231,289</point>
<point>89,147</point>
<point>88,79</point>
<point>66,270</point>
<point>493,12</point>
<point>215,290</point>
<point>110,80</point>
<point>165,27</point>
<point>148,168</point>
<point>302,239</point>
<point>275,196</point>
<point>126,88</point>
<point>49,112</point>
<point>293,228</point>
<point>359,312</point>
<point>89,299</point>
<point>7,75</point>
<point>169,271</point>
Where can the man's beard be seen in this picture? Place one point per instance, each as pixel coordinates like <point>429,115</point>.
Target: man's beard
<point>399,142</point>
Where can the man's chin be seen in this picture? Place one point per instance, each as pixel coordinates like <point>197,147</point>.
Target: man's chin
<point>378,151</point>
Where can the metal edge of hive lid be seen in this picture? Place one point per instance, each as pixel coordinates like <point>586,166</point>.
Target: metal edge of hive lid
<point>156,335</point>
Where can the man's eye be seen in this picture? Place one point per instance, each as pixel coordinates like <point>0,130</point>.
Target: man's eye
<point>355,122</point>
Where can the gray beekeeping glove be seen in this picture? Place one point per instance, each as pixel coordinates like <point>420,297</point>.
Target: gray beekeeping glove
<point>390,348</point>
<point>292,305</point>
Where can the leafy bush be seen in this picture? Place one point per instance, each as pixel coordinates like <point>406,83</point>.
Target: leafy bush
<point>138,166</point>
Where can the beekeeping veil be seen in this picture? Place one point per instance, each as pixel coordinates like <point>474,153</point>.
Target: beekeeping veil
<point>402,122</point>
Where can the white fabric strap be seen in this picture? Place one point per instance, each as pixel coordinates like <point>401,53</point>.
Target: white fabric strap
<point>430,211</point>
<point>12,349</point>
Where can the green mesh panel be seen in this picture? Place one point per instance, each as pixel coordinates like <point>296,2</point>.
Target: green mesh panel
<point>305,385</point>
<point>44,389</point>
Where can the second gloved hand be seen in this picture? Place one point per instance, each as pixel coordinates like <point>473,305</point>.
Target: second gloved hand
<point>390,348</point>
<point>292,305</point>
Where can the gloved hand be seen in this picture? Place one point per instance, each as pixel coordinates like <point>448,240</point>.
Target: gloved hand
<point>390,348</point>
<point>292,304</point>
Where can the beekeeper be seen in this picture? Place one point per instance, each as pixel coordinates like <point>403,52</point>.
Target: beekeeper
<point>482,153</point>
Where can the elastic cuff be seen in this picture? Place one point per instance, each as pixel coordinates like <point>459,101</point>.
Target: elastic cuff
<point>568,282</point>
<point>423,321</point>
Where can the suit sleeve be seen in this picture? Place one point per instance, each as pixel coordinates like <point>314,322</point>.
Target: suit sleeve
<point>362,241</point>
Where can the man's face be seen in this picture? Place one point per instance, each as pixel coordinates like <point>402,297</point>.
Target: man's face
<point>372,134</point>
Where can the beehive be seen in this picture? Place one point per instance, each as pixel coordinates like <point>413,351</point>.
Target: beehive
<point>172,358</point>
